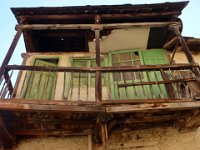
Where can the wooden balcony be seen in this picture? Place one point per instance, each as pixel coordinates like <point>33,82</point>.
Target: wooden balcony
<point>144,97</point>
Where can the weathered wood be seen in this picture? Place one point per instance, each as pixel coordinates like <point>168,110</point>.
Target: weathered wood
<point>47,102</point>
<point>153,107</point>
<point>50,108</point>
<point>193,120</point>
<point>168,85</point>
<point>173,52</point>
<point>8,82</point>
<point>104,134</point>
<point>104,69</point>
<point>157,82</point>
<point>144,101</point>
<point>92,26</point>
<point>184,46</point>
<point>98,84</point>
<point>5,136</point>
<point>90,141</point>
<point>170,42</point>
<point>103,16</point>
<point>9,53</point>
<point>149,119</point>
<point>53,132</point>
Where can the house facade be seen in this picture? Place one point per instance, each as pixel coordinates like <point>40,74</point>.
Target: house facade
<point>101,77</point>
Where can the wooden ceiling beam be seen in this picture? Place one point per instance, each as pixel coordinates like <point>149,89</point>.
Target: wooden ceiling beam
<point>92,26</point>
<point>103,16</point>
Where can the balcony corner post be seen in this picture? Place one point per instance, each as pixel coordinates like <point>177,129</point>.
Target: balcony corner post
<point>98,84</point>
<point>9,53</point>
<point>175,29</point>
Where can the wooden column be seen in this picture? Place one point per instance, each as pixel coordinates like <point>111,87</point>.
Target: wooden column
<point>184,46</point>
<point>90,145</point>
<point>9,53</point>
<point>104,134</point>
<point>98,84</point>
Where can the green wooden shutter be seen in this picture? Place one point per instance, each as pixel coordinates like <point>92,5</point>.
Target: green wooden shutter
<point>154,57</point>
<point>136,57</point>
<point>125,58</point>
<point>41,85</point>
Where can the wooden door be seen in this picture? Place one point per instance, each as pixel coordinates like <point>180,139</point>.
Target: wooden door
<point>155,57</point>
<point>131,58</point>
<point>41,85</point>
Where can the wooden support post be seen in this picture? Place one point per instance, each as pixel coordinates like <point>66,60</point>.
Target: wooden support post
<point>5,136</point>
<point>104,134</point>
<point>184,46</point>
<point>9,53</point>
<point>90,146</point>
<point>98,84</point>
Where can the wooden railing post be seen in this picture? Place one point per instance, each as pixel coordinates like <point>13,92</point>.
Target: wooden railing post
<point>98,84</point>
<point>175,29</point>
<point>9,53</point>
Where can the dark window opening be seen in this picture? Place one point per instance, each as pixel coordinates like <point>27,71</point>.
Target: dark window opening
<point>60,40</point>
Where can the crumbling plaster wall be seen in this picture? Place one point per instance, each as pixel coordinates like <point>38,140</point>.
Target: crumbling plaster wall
<point>149,139</point>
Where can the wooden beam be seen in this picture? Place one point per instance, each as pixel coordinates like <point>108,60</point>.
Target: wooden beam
<point>103,16</point>
<point>157,82</point>
<point>143,101</point>
<point>5,136</point>
<point>149,119</point>
<point>193,120</point>
<point>49,108</point>
<point>168,44</point>
<point>92,26</point>
<point>153,107</point>
<point>47,102</point>
<point>98,84</point>
<point>104,69</point>
<point>90,142</point>
<point>9,53</point>
<point>104,134</point>
<point>175,29</point>
<point>35,132</point>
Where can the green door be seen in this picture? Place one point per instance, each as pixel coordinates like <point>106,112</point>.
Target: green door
<point>41,85</point>
<point>155,57</point>
<point>131,58</point>
<point>126,58</point>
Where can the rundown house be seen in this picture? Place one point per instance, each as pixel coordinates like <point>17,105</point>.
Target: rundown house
<point>101,77</point>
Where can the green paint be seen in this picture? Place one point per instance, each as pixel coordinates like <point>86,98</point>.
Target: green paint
<point>41,85</point>
<point>136,57</point>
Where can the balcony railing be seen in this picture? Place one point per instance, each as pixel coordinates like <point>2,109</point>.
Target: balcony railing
<point>119,84</point>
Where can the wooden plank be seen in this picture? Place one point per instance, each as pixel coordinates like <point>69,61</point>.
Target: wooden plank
<point>50,108</point>
<point>157,82</point>
<point>149,119</point>
<point>9,53</point>
<point>103,16</point>
<point>104,69</point>
<point>142,101</point>
<point>153,107</point>
<point>47,102</point>
<point>92,26</point>
<point>36,132</point>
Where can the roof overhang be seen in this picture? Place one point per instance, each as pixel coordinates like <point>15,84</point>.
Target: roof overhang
<point>108,13</point>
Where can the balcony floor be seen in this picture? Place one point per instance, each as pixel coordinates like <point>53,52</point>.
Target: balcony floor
<point>61,118</point>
